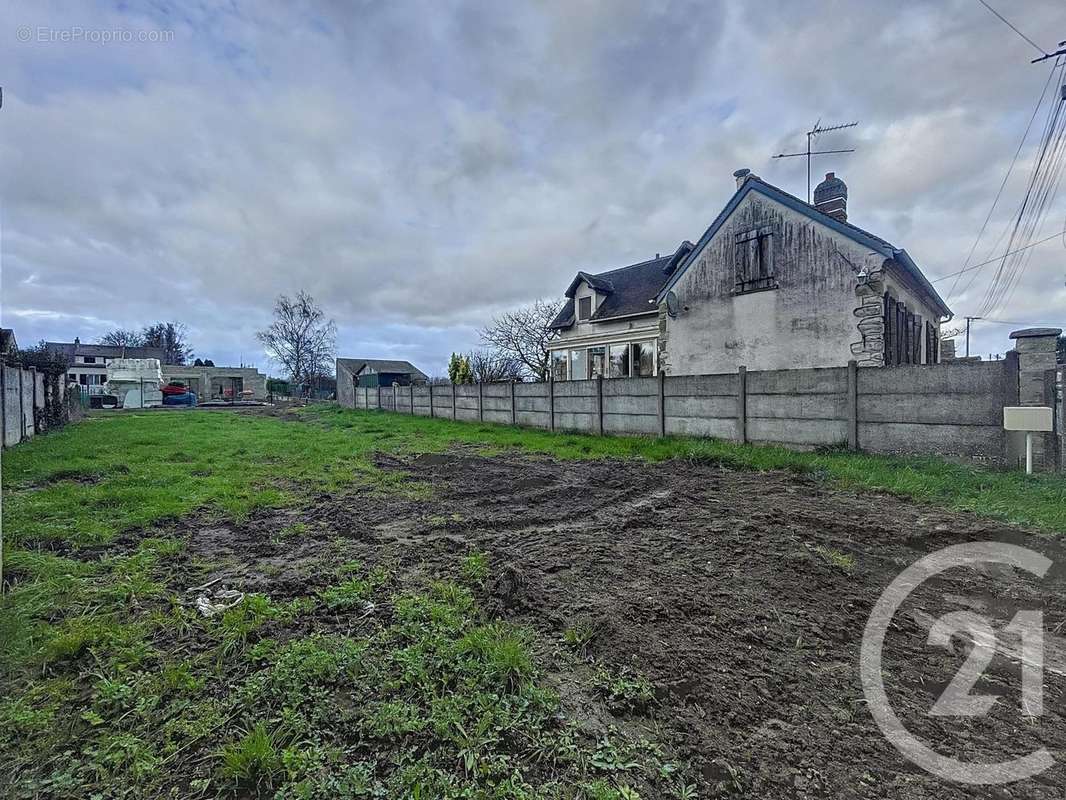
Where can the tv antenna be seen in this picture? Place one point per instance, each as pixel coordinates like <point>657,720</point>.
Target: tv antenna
<point>811,135</point>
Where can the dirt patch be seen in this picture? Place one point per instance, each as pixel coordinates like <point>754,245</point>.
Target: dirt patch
<point>741,597</point>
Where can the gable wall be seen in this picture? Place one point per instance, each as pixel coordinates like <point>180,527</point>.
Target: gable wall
<point>807,322</point>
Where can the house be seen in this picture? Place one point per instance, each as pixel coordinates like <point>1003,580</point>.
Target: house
<point>373,372</point>
<point>773,283</point>
<point>88,368</point>
<point>88,362</point>
<point>211,383</point>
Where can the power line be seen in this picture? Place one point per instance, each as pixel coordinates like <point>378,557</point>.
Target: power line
<point>997,258</point>
<point>1016,322</point>
<point>1007,22</point>
<point>1002,185</point>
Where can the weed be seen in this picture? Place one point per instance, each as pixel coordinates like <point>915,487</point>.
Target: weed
<point>252,759</point>
<point>580,634</point>
<point>475,568</point>
<point>836,558</point>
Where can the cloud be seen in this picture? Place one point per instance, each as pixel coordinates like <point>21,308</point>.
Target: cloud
<point>417,166</point>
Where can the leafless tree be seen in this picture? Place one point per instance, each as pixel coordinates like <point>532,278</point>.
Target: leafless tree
<point>493,366</point>
<point>300,338</point>
<point>121,337</point>
<point>524,335</point>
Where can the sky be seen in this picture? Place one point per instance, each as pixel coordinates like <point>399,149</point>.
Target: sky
<point>420,166</point>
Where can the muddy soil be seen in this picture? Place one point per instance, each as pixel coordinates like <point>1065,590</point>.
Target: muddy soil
<point>741,596</point>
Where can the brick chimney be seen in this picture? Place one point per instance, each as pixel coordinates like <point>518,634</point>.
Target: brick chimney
<point>831,197</point>
<point>742,175</point>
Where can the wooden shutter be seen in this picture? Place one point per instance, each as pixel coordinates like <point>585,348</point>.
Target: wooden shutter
<point>916,348</point>
<point>890,330</point>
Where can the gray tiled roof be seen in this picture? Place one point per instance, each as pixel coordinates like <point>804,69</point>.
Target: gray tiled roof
<point>70,350</point>
<point>354,365</point>
<point>629,290</point>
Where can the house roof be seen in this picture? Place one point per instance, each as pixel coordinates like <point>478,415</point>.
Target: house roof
<point>629,290</point>
<point>853,232</point>
<point>357,365</point>
<point>71,349</point>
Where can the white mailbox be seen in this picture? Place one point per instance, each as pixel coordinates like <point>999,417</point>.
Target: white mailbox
<point>1031,419</point>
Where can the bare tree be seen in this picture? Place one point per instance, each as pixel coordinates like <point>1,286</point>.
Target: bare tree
<point>170,336</point>
<point>493,366</point>
<point>524,334</point>
<point>121,337</point>
<point>300,338</point>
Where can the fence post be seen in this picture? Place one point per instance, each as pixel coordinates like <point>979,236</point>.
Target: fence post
<point>33,377</point>
<point>551,403</point>
<point>853,405</point>
<point>431,412</point>
<point>742,405</point>
<point>514,409</point>
<point>3,410</point>
<point>411,391</point>
<point>1055,441</point>
<point>379,396</point>
<point>599,405</point>
<point>662,403</point>
<point>453,403</point>
<point>395,397</point>
<point>22,409</point>
<point>481,401</point>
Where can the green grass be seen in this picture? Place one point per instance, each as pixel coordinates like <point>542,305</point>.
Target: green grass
<point>112,686</point>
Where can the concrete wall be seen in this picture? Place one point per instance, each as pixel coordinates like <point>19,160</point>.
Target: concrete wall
<point>952,410</point>
<point>33,402</point>
<point>807,321</point>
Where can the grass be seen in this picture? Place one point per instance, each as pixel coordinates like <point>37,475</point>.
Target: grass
<point>111,685</point>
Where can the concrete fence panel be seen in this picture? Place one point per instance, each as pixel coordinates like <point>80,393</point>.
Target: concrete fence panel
<point>952,410</point>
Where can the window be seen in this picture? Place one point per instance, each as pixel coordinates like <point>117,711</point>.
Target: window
<point>559,365</point>
<point>597,361</point>
<point>584,308</point>
<point>578,365</point>
<point>643,359</point>
<point>619,361</point>
<point>754,259</point>
<point>88,359</point>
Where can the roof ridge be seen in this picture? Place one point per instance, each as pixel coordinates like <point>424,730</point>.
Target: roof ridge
<point>629,266</point>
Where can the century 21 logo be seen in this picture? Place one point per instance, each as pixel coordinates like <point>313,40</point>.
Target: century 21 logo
<point>956,700</point>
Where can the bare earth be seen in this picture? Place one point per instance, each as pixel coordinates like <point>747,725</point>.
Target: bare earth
<point>720,587</point>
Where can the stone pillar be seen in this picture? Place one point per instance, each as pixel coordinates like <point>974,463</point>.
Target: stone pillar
<point>1036,355</point>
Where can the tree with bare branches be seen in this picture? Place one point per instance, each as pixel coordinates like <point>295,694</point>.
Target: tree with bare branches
<point>300,338</point>
<point>495,366</point>
<point>524,334</point>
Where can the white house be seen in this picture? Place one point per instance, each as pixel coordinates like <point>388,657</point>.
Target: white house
<point>773,283</point>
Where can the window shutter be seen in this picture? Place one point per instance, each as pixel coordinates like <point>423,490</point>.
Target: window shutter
<point>890,330</point>
<point>917,344</point>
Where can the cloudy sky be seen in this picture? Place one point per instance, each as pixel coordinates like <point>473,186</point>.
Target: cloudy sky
<point>418,166</point>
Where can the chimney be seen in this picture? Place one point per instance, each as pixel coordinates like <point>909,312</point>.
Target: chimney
<point>741,175</point>
<point>831,197</point>
<point>77,341</point>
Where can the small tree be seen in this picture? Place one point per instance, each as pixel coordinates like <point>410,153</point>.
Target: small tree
<point>300,338</point>
<point>524,334</point>
<point>459,369</point>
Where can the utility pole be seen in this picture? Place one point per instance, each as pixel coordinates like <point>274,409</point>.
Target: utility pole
<point>968,321</point>
<point>811,134</point>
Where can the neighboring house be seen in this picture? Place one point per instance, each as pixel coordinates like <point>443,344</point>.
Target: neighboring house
<point>773,283</point>
<point>88,368</point>
<point>373,372</point>
<point>211,383</point>
<point>88,362</point>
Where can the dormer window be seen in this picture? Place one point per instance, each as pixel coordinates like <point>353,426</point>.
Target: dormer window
<point>584,308</point>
